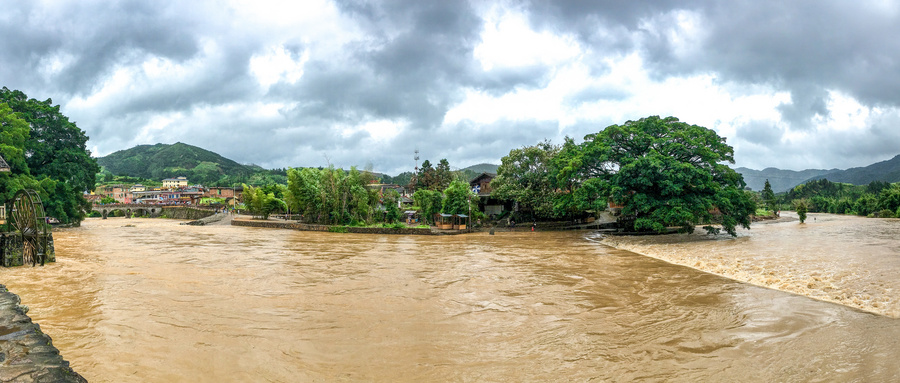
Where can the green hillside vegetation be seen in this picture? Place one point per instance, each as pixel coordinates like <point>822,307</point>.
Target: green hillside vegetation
<point>156,162</point>
<point>877,199</point>
<point>482,168</point>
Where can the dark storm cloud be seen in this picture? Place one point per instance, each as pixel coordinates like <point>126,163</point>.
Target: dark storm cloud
<point>760,132</point>
<point>806,48</point>
<point>94,36</point>
<point>803,47</point>
<point>417,73</point>
<point>409,62</point>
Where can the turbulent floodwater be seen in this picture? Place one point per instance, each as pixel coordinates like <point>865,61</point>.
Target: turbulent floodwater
<point>160,302</point>
<point>849,260</point>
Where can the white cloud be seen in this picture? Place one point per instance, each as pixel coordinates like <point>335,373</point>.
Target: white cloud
<point>276,65</point>
<point>508,41</point>
<point>380,130</point>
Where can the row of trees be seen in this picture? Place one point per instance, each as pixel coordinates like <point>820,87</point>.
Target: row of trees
<point>46,152</point>
<point>333,196</point>
<point>337,197</point>
<point>664,172</point>
<point>878,198</point>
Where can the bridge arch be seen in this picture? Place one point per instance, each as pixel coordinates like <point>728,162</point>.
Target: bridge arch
<point>128,210</point>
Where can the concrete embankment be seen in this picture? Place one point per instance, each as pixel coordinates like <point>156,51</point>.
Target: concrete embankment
<point>26,353</point>
<point>184,212</point>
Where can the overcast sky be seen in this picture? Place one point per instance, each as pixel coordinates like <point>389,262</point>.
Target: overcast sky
<point>791,84</point>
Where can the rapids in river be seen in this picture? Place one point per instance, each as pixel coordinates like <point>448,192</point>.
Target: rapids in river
<point>149,300</point>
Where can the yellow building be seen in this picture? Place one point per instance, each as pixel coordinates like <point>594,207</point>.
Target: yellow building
<point>174,183</point>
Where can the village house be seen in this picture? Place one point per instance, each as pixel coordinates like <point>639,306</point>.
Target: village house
<point>120,193</point>
<point>481,186</point>
<point>174,183</point>
<point>232,196</point>
<point>190,196</point>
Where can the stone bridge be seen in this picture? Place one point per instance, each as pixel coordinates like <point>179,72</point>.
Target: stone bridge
<point>129,209</point>
<point>152,210</point>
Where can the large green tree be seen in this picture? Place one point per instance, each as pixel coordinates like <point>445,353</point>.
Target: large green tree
<point>768,196</point>
<point>665,172</point>
<point>260,203</point>
<point>429,202</point>
<point>12,147</point>
<point>526,176</point>
<point>331,196</point>
<point>55,153</point>
<point>433,178</point>
<point>458,199</point>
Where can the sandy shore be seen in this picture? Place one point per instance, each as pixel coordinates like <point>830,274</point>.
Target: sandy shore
<point>846,260</point>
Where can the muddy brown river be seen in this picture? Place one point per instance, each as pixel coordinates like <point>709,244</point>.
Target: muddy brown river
<point>143,300</point>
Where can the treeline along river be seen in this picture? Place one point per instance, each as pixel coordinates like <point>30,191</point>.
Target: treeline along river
<point>147,300</point>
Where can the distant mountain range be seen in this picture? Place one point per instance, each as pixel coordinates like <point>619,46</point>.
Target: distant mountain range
<point>784,180</point>
<point>888,171</point>
<point>781,180</point>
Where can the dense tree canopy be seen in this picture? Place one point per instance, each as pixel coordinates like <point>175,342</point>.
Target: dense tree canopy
<point>665,172</point>
<point>429,202</point>
<point>331,196</point>
<point>768,196</point>
<point>12,148</point>
<point>432,178</point>
<point>458,199</point>
<point>526,176</point>
<point>261,203</point>
<point>877,199</point>
<point>55,156</point>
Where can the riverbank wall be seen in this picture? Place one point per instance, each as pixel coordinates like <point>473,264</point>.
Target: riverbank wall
<point>26,353</point>
<point>339,229</point>
<point>189,213</point>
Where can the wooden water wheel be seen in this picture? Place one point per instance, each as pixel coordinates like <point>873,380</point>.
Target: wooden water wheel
<point>28,218</point>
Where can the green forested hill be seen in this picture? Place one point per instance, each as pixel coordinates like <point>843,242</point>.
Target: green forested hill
<point>483,168</point>
<point>163,161</point>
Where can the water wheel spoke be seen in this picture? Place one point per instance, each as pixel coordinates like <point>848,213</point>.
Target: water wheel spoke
<point>29,219</point>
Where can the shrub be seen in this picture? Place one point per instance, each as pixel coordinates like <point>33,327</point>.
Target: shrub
<point>339,229</point>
